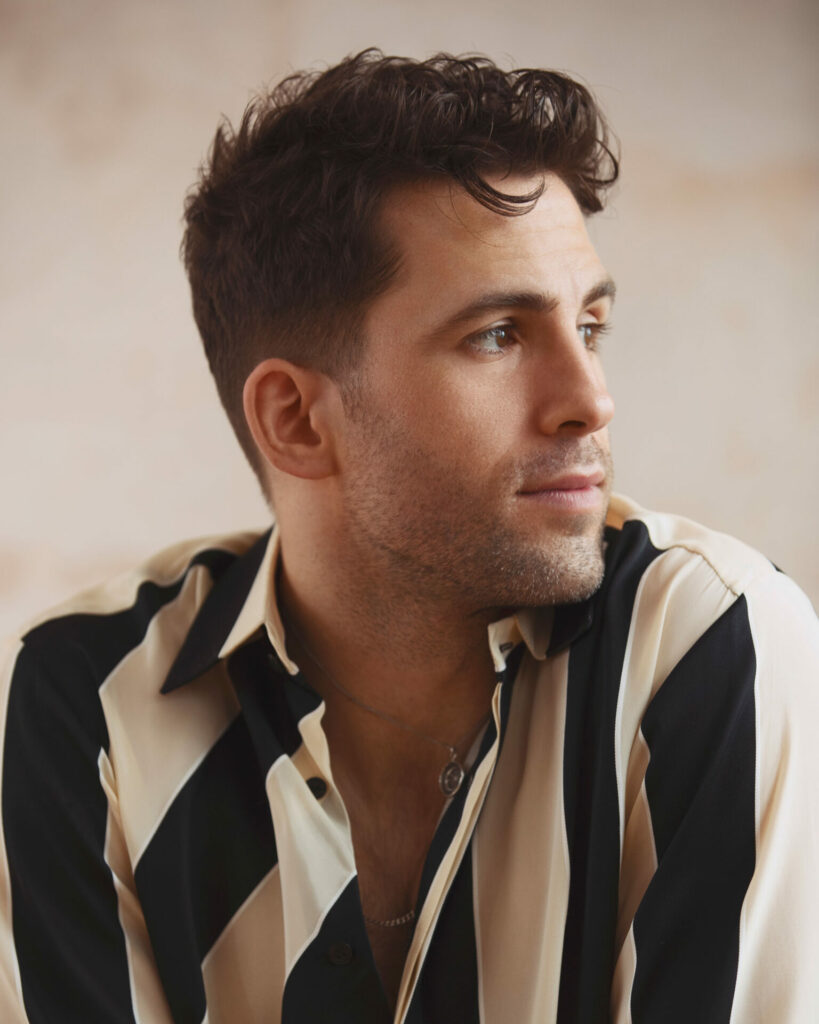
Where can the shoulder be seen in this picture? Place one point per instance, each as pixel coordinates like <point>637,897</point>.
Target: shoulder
<point>66,653</point>
<point>691,575</point>
<point>689,600</point>
<point>733,565</point>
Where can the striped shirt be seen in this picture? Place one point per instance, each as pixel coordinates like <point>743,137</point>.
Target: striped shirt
<point>636,841</point>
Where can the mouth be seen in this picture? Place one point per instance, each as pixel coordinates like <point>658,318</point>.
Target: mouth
<point>579,491</point>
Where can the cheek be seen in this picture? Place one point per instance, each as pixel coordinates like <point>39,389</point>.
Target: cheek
<point>456,434</point>
<point>465,454</point>
<point>453,403</point>
<point>472,423</point>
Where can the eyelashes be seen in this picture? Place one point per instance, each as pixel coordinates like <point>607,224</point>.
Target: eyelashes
<point>496,340</point>
<point>493,340</point>
<point>595,334</point>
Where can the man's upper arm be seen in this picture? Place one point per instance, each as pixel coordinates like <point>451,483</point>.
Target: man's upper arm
<point>725,930</point>
<point>63,948</point>
<point>777,977</point>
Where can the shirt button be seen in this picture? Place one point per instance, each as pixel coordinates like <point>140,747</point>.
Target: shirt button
<point>340,954</point>
<point>317,786</point>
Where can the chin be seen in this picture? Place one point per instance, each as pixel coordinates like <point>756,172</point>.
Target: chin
<point>568,585</point>
<point>562,572</point>
<point>571,591</point>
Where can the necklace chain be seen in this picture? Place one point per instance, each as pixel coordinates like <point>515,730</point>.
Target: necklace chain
<point>392,922</point>
<point>451,775</point>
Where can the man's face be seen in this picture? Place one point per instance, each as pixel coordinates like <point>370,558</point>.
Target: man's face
<point>476,460</point>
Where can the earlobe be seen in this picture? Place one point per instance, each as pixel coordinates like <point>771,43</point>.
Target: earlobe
<point>286,408</point>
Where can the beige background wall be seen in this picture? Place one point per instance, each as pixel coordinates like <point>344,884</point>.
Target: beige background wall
<point>113,443</point>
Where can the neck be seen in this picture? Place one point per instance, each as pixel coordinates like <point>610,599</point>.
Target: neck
<point>407,661</point>
<point>419,661</point>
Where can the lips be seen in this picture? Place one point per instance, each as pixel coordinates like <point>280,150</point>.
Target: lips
<point>577,481</point>
<point>577,493</point>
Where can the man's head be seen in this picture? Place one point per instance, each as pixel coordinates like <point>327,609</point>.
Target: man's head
<point>389,262</point>
<point>284,244</point>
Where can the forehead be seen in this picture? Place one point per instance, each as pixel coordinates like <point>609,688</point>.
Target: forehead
<point>452,249</point>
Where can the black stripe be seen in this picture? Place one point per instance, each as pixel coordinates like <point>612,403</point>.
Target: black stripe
<point>570,622</point>
<point>701,732</point>
<point>590,782</point>
<point>67,934</point>
<point>216,617</point>
<point>211,850</point>
<point>447,989</point>
<point>272,701</point>
<point>106,639</point>
<point>69,942</point>
<point>448,825</point>
<point>318,989</point>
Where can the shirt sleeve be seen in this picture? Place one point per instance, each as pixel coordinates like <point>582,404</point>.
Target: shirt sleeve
<point>722,839</point>
<point>72,938</point>
<point>777,976</point>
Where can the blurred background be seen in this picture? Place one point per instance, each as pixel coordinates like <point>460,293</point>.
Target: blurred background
<point>113,440</point>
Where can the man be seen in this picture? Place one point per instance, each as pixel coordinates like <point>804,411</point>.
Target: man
<point>463,738</point>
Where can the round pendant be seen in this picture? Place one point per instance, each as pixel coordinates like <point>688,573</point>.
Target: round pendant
<point>451,777</point>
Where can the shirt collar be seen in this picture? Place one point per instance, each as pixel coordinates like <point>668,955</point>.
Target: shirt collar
<point>546,631</point>
<point>243,602</point>
<point>232,612</point>
<point>261,609</point>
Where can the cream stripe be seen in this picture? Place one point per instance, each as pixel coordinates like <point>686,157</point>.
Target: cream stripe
<point>777,979</point>
<point>163,569</point>
<point>147,996</point>
<point>734,562</point>
<point>244,971</point>
<point>677,599</point>
<point>521,857</point>
<point>260,598</point>
<point>502,636</point>
<point>639,861</point>
<point>447,869</point>
<point>11,989</point>
<point>638,868</point>
<point>291,961</point>
<point>315,850</point>
<point>175,787</point>
<point>158,740</point>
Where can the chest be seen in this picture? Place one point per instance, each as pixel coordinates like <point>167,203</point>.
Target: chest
<point>391,846</point>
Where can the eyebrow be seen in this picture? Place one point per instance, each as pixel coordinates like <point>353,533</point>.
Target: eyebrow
<point>536,302</point>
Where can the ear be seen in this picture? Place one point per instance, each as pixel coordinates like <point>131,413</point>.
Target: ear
<point>289,411</point>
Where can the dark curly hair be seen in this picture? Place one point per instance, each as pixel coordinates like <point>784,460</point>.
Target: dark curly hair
<point>282,246</point>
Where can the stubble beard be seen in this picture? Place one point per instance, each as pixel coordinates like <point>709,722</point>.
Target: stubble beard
<point>567,568</point>
<point>413,520</point>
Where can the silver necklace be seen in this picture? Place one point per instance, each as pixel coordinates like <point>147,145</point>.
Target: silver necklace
<point>451,775</point>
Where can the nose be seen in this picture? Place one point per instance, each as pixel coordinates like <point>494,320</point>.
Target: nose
<point>572,395</point>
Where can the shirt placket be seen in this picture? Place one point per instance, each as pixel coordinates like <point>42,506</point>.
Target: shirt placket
<point>320,901</point>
